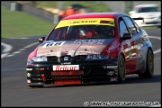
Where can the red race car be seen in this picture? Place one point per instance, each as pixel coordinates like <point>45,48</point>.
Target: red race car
<point>92,47</point>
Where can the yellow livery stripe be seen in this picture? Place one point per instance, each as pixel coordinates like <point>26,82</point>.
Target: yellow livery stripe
<point>86,21</point>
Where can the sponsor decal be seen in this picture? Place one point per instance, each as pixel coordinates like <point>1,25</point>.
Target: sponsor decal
<point>66,63</point>
<point>67,82</point>
<point>126,53</point>
<point>134,49</point>
<point>106,22</point>
<point>130,49</point>
<point>112,67</point>
<point>29,69</point>
<point>65,67</point>
<point>58,73</point>
<point>90,41</point>
<point>86,21</point>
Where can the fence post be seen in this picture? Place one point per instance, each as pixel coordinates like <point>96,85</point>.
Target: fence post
<point>13,6</point>
<point>55,19</point>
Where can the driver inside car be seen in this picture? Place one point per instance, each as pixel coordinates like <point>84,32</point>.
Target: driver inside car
<point>86,32</point>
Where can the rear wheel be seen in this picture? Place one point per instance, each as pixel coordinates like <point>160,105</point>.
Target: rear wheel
<point>149,66</point>
<point>121,69</point>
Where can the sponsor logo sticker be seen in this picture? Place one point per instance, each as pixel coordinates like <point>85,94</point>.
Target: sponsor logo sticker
<point>65,67</point>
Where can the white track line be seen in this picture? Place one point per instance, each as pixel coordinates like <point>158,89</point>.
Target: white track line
<point>7,48</point>
<point>159,50</point>
<point>22,49</point>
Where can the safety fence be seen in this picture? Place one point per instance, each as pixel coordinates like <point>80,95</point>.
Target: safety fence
<point>14,6</point>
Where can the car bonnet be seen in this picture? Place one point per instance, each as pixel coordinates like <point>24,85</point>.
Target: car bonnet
<point>72,48</point>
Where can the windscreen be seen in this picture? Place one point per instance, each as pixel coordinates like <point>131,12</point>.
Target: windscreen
<point>148,9</point>
<point>83,29</point>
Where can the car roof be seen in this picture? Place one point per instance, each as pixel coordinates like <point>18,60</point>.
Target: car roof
<point>146,5</point>
<point>95,15</point>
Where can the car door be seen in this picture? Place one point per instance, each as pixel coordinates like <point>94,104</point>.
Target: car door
<point>138,37</point>
<point>128,46</point>
<point>135,43</point>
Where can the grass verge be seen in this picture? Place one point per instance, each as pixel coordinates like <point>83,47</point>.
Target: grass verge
<point>15,24</point>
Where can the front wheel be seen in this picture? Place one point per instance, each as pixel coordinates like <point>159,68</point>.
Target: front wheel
<point>149,66</point>
<point>121,69</point>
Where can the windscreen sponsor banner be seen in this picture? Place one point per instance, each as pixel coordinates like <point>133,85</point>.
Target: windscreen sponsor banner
<point>86,21</point>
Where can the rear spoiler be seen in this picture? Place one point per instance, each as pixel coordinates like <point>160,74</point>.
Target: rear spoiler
<point>138,19</point>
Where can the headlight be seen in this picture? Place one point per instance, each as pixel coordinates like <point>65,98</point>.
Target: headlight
<point>97,57</point>
<point>39,58</point>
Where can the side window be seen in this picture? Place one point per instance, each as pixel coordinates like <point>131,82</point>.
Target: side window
<point>136,25</point>
<point>123,28</point>
<point>130,25</point>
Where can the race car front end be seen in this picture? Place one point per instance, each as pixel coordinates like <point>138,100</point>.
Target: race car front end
<point>73,53</point>
<point>71,70</point>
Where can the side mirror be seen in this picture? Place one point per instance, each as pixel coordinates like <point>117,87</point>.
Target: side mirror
<point>41,39</point>
<point>126,36</point>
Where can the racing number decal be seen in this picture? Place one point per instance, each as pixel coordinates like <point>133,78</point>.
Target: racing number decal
<point>53,44</point>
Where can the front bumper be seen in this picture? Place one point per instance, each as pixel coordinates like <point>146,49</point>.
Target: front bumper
<point>43,73</point>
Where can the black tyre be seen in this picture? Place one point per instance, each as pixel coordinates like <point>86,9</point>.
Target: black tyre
<point>121,69</point>
<point>149,66</point>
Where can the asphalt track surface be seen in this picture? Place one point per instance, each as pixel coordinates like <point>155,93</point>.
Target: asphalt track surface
<point>16,93</point>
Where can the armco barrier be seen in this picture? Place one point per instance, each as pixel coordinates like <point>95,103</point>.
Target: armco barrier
<point>13,6</point>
